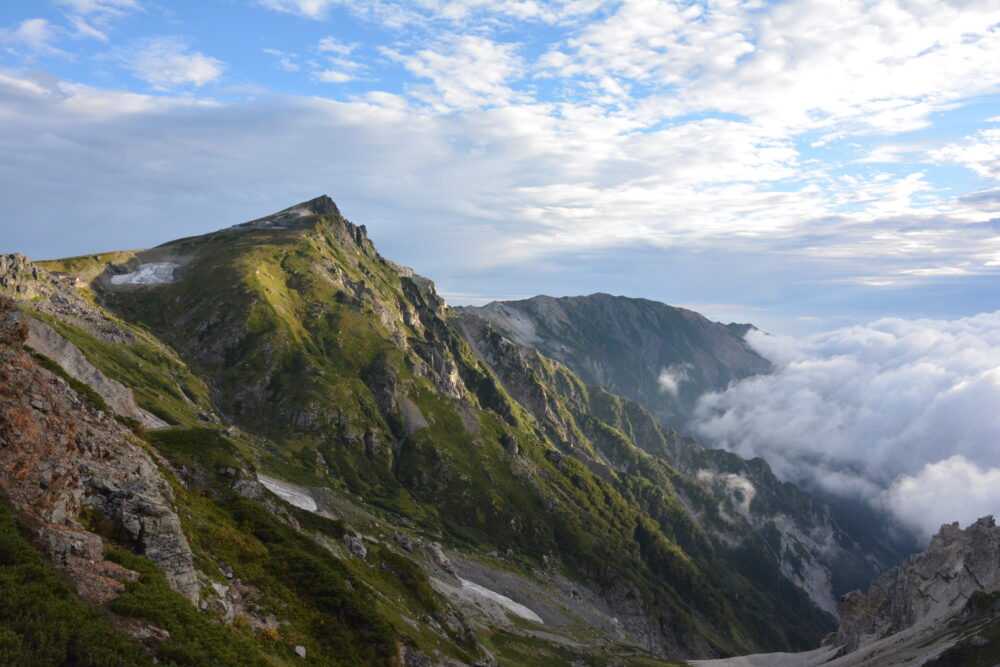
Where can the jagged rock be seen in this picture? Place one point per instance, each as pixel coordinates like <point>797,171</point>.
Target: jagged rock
<point>59,455</point>
<point>303,213</point>
<point>19,277</point>
<point>250,489</point>
<point>411,657</point>
<point>140,505</point>
<point>356,546</point>
<point>23,280</point>
<point>926,589</point>
<point>148,635</point>
<point>407,542</point>
<point>807,538</point>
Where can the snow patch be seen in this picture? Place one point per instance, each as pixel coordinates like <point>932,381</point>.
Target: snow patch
<point>295,495</point>
<point>514,607</point>
<point>807,659</point>
<point>156,273</point>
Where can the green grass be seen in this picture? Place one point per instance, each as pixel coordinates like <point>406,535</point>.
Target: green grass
<point>205,446</point>
<point>42,622</point>
<point>347,622</point>
<point>194,638</point>
<point>162,384</point>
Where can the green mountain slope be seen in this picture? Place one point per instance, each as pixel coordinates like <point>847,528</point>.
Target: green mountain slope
<point>619,345</point>
<point>289,346</point>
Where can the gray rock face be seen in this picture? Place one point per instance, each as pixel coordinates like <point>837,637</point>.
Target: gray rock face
<point>140,505</point>
<point>58,455</point>
<point>658,355</point>
<point>356,546</point>
<point>928,588</point>
<point>437,556</point>
<point>45,340</point>
<point>818,547</point>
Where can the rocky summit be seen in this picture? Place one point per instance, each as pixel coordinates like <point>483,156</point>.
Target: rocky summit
<point>269,444</point>
<point>940,608</point>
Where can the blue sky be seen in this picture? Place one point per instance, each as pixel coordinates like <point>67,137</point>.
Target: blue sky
<point>801,164</point>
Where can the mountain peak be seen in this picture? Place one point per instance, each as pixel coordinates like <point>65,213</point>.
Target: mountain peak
<point>295,215</point>
<point>321,205</point>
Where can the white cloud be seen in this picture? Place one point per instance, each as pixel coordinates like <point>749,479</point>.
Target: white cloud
<point>863,409</point>
<point>466,71</point>
<point>286,61</point>
<point>84,29</point>
<point>86,7</point>
<point>980,153</point>
<point>400,13</point>
<point>953,489</point>
<point>335,66</point>
<point>167,62</point>
<point>314,9</point>
<point>38,35</point>
<point>333,76</point>
<point>334,45</point>
<point>850,65</point>
<point>672,377</point>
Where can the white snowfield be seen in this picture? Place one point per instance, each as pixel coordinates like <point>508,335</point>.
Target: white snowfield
<point>295,495</point>
<point>147,274</point>
<point>808,659</point>
<point>513,607</point>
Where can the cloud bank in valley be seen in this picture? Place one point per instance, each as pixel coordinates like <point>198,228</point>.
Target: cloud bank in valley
<point>901,413</point>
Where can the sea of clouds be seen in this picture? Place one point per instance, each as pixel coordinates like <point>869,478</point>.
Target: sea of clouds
<point>904,414</point>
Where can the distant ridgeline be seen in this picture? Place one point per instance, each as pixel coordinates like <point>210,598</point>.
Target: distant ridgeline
<point>269,443</point>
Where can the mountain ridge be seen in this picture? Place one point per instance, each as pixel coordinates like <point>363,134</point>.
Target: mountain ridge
<point>299,352</point>
<point>662,356</point>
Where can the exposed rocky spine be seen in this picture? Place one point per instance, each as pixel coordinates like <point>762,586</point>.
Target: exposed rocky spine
<point>60,457</point>
<point>928,588</point>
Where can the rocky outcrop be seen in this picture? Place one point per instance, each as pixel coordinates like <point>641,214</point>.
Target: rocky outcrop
<point>512,365</point>
<point>45,340</point>
<point>928,588</point>
<point>64,463</point>
<point>55,294</point>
